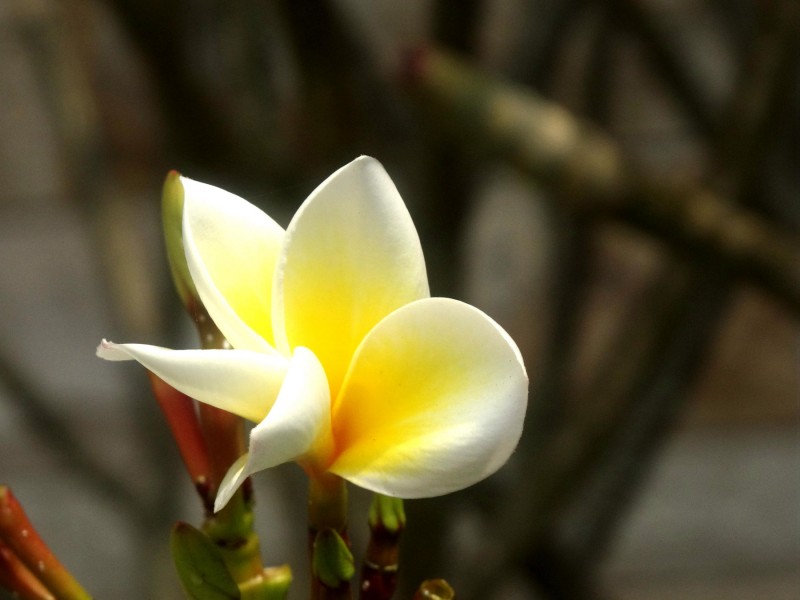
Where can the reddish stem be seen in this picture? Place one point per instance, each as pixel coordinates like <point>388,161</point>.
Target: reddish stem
<point>222,431</point>
<point>19,536</point>
<point>16,577</point>
<point>181,414</point>
<point>224,437</point>
<point>380,567</point>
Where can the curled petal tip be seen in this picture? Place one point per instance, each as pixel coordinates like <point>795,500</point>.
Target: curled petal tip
<point>110,351</point>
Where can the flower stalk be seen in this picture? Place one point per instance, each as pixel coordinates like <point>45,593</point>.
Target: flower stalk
<point>21,546</point>
<point>332,565</point>
<point>327,503</point>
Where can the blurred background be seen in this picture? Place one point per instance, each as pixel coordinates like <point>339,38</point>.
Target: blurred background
<point>616,182</point>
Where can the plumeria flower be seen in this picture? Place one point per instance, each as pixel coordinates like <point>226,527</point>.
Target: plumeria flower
<point>339,355</point>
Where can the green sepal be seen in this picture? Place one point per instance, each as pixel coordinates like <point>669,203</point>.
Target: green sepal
<point>332,562</point>
<point>172,197</point>
<point>388,513</point>
<point>271,584</point>
<point>200,565</point>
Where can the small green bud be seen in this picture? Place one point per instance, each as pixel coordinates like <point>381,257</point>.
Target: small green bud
<point>332,561</point>
<point>271,584</point>
<point>387,513</point>
<point>435,589</point>
<point>200,565</point>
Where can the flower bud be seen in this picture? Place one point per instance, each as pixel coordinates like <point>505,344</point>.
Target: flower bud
<point>332,561</point>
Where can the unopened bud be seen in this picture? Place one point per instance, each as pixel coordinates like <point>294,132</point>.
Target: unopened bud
<point>332,561</point>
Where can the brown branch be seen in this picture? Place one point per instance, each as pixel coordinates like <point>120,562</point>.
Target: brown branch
<point>549,143</point>
<point>644,389</point>
<point>765,88</point>
<point>651,379</point>
<point>749,128</point>
<point>638,395</point>
<point>536,57</point>
<point>198,126</point>
<point>670,62</point>
<point>456,24</point>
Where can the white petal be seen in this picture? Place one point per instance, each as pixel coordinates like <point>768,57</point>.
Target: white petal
<point>297,427</point>
<point>434,402</point>
<point>242,382</point>
<point>351,256</point>
<point>232,250</point>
